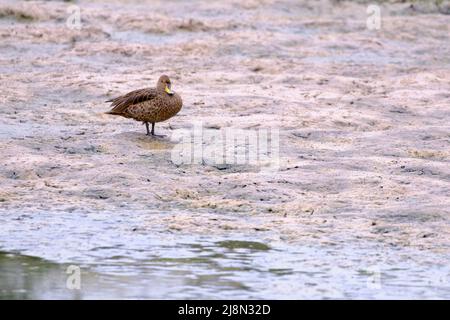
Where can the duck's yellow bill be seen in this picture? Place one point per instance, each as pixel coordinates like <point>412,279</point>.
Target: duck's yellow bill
<point>168,90</point>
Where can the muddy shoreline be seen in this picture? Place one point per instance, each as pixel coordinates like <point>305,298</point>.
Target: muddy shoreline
<point>363,120</point>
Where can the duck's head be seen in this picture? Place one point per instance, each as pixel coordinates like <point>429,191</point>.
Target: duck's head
<point>164,85</point>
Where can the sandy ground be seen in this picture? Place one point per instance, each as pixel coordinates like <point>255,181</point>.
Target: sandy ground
<point>363,118</point>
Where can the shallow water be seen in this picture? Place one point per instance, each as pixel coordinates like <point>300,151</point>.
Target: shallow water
<point>120,258</point>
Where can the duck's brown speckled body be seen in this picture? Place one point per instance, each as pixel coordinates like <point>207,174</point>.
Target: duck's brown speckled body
<point>148,105</point>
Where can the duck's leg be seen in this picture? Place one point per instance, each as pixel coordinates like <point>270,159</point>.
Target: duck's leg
<point>148,129</point>
<point>153,131</point>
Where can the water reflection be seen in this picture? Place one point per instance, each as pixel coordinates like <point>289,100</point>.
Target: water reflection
<point>23,277</point>
<point>118,262</point>
<point>228,268</point>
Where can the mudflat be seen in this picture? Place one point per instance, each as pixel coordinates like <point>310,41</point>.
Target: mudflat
<point>363,118</point>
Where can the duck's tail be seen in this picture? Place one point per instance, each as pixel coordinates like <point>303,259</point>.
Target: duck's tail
<point>112,112</point>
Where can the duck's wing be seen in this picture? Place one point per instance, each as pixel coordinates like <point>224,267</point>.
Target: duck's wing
<point>120,104</point>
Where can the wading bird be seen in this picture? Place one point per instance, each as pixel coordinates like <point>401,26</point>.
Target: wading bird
<point>149,105</point>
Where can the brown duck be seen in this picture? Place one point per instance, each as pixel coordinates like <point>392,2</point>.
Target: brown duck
<point>149,105</point>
